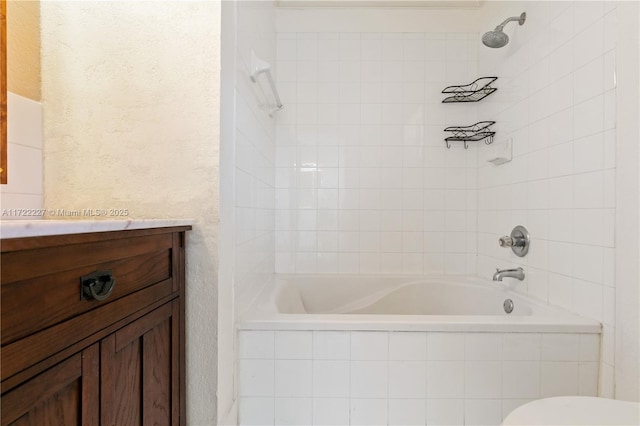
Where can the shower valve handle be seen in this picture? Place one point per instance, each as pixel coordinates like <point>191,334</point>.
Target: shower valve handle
<point>518,241</point>
<point>507,241</point>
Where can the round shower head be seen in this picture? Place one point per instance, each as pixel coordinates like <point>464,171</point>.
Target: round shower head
<point>495,39</point>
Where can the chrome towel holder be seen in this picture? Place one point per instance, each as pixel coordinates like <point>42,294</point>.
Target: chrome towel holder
<point>259,66</point>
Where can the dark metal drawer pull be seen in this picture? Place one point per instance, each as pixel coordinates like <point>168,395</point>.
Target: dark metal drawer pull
<point>98,285</point>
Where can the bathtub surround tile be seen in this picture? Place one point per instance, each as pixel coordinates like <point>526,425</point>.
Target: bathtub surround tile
<point>533,365</point>
<point>331,345</point>
<point>407,346</point>
<point>589,347</point>
<point>256,344</point>
<point>483,379</point>
<point>256,411</point>
<point>606,382</point>
<point>366,345</point>
<point>445,346</point>
<point>330,411</point>
<point>588,379</point>
<point>293,411</point>
<point>293,378</point>
<point>406,412</point>
<point>560,347</point>
<point>521,346</point>
<point>483,346</point>
<point>579,86</point>
<point>330,379</point>
<point>445,412</point>
<point>483,411</point>
<point>521,379</point>
<point>407,379</point>
<point>369,379</point>
<point>564,157</point>
<point>558,379</point>
<point>293,344</point>
<point>445,379</point>
<point>256,378</point>
<point>373,96</point>
<point>368,412</point>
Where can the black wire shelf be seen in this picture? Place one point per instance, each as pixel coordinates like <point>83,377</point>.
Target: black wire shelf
<point>473,92</point>
<point>481,131</point>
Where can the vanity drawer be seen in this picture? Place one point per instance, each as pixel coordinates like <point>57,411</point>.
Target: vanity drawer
<point>41,287</point>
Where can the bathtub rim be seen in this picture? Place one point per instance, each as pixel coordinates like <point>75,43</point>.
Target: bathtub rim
<point>265,316</point>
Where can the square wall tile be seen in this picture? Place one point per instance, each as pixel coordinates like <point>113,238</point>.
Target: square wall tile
<point>445,346</point>
<point>369,345</point>
<point>256,411</point>
<point>369,379</point>
<point>588,379</point>
<point>483,379</point>
<point>483,346</point>
<point>521,346</point>
<point>330,379</point>
<point>293,411</point>
<point>445,412</point>
<point>560,347</point>
<point>256,344</point>
<point>330,411</point>
<point>293,344</point>
<point>407,379</point>
<point>521,379</point>
<point>590,347</point>
<point>445,379</point>
<point>368,412</point>
<point>293,378</point>
<point>483,411</point>
<point>558,379</point>
<point>407,346</point>
<point>407,412</point>
<point>331,345</point>
<point>256,377</point>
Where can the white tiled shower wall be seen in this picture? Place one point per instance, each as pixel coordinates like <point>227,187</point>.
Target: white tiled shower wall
<point>364,183</point>
<point>24,182</point>
<point>556,100</point>
<point>254,155</point>
<point>247,176</point>
<point>406,378</point>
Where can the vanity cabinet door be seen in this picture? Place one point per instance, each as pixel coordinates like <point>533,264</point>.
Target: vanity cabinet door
<point>65,394</point>
<point>140,379</point>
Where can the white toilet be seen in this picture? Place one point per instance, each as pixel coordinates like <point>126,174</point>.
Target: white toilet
<point>575,411</point>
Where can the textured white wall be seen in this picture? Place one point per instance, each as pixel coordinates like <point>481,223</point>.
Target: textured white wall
<point>131,117</point>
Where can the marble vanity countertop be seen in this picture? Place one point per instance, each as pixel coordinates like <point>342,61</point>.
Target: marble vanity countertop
<point>39,228</point>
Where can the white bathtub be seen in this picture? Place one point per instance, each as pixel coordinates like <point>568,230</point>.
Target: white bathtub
<point>345,302</point>
<point>376,350</point>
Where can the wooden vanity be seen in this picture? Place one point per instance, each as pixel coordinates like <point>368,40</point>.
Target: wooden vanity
<point>92,328</point>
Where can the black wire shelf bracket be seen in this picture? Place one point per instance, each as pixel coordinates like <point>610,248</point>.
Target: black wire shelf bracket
<point>481,131</point>
<point>473,92</point>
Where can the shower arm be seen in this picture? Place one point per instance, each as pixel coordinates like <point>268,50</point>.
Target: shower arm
<point>520,20</point>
